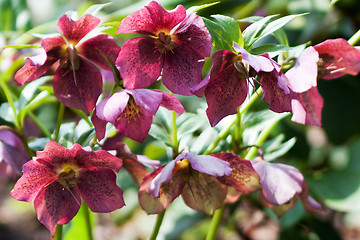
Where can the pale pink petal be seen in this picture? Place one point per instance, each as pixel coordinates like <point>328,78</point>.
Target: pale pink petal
<point>111,107</point>
<point>258,63</point>
<point>163,176</point>
<point>99,125</point>
<point>146,99</point>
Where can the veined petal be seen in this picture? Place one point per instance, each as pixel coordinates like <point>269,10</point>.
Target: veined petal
<point>279,182</point>
<point>204,193</point>
<point>147,99</point>
<point>307,107</point>
<point>31,72</point>
<point>167,193</point>
<point>338,58</point>
<point>56,205</point>
<point>139,62</point>
<point>111,107</point>
<point>54,155</point>
<point>54,46</point>
<point>151,19</point>
<point>303,75</point>
<point>258,63</point>
<point>226,91</point>
<point>194,34</point>
<point>243,176</point>
<point>164,175</point>
<point>78,88</point>
<point>92,49</point>
<point>99,191</point>
<point>36,176</point>
<point>207,164</point>
<point>74,31</point>
<point>135,127</point>
<point>171,102</point>
<point>182,69</point>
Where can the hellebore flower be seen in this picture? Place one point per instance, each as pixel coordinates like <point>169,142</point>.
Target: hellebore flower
<point>12,153</point>
<point>77,81</point>
<point>337,58</point>
<point>192,176</point>
<point>176,52</point>
<point>281,183</point>
<point>58,178</point>
<point>296,90</point>
<point>132,111</point>
<point>227,86</point>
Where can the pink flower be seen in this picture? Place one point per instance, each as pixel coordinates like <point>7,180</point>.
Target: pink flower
<point>192,176</point>
<point>176,52</point>
<point>58,178</point>
<point>132,111</point>
<point>77,81</point>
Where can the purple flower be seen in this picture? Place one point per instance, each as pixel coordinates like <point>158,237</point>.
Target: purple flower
<point>337,58</point>
<point>192,176</point>
<point>132,111</point>
<point>58,178</point>
<point>174,44</point>
<point>77,81</point>
<point>12,153</point>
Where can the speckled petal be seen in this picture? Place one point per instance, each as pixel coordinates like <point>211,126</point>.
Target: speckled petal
<point>31,72</point>
<point>99,191</point>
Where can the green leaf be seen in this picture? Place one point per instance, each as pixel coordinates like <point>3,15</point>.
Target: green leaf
<point>77,227</point>
<point>160,134</point>
<point>281,37</point>
<point>29,91</point>
<point>6,112</point>
<point>197,8</point>
<point>189,123</point>
<point>21,46</point>
<point>268,48</point>
<point>275,148</point>
<point>94,9</point>
<point>224,32</point>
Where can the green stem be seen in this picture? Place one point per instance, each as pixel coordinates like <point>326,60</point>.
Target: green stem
<point>11,102</point>
<point>39,124</point>
<point>225,132</point>
<point>215,223</point>
<point>262,137</point>
<point>87,221</point>
<point>59,120</point>
<point>58,232</point>
<point>175,140</point>
<point>355,38</point>
<point>158,223</point>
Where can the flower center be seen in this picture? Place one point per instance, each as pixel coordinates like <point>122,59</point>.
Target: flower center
<point>67,177</point>
<point>240,67</point>
<point>164,42</point>
<point>131,111</point>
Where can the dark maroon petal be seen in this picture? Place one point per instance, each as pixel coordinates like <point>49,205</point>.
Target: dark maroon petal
<point>151,19</point>
<point>99,125</point>
<point>90,159</point>
<point>171,102</point>
<point>35,177</point>
<point>167,193</point>
<point>74,31</point>
<point>279,99</point>
<point>136,170</point>
<point>92,49</point>
<point>243,176</point>
<point>54,46</point>
<point>99,191</point>
<point>279,182</point>
<point>303,75</point>
<point>338,58</point>
<point>29,72</point>
<point>207,164</point>
<point>226,91</point>
<point>307,107</point>
<point>198,90</point>
<point>194,34</point>
<point>204,193</point>
<point>135,127</point>
<point>56,205</point>
<point>165,175</point>
<point>54,155</point>
<point>182,69</point>
<point>139,62</point>
<point>79,88</point>
<point>146,99</point>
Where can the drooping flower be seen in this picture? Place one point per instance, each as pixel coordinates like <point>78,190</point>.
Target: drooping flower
<point>192,176</point>
<point>132,111</point>
<point>337,58</point>
<point>281,183</point>
<point>13,154</point>
<point>58,178</point>
<point>176,52</point>
<point>77,81</point>
<point>227,86</point>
